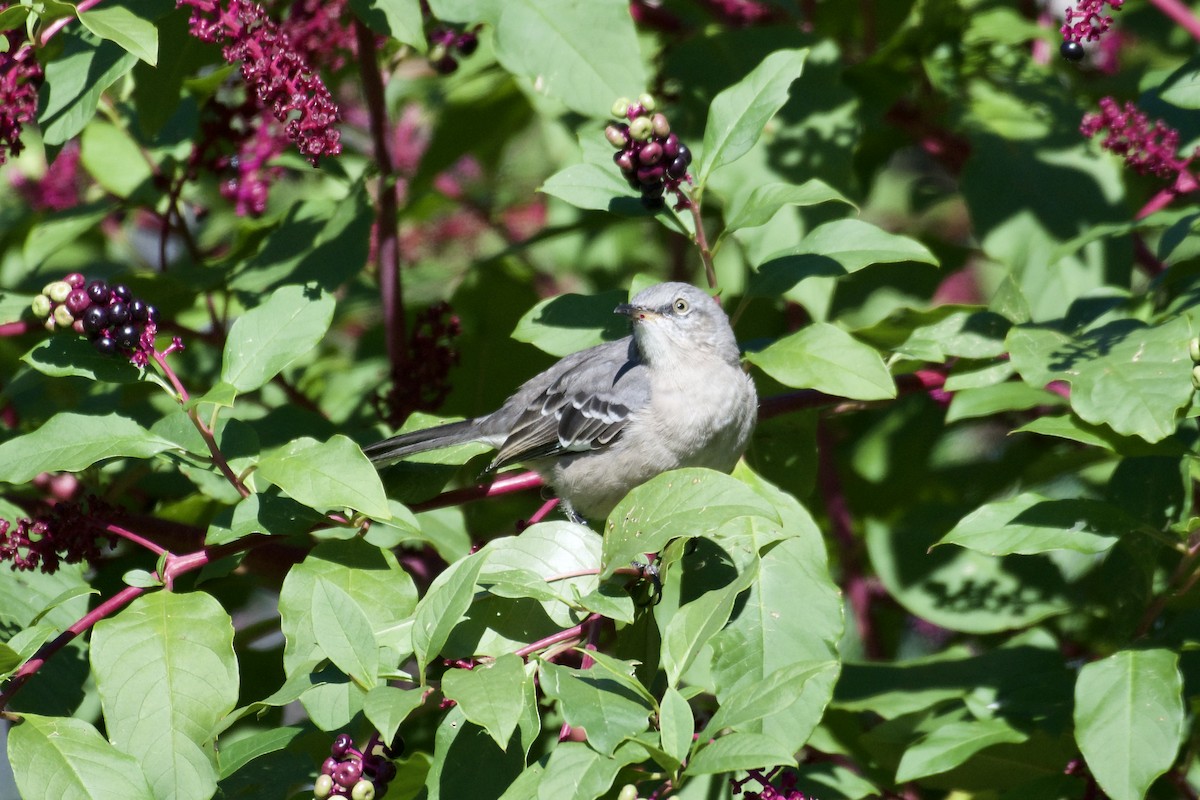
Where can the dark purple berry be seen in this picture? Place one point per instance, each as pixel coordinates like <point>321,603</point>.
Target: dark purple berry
<point>137,310</point>
<point>118,313</point>
<point>1072,50</point>
<point>341,743</point>
<point>347,773</point>
<point>128,336</point>
<point>651,153</point>
<point>650,175</point>
<point>121,292</point>
<point>105,346</point>
<point>685,154</point>
<point>670,146</point>
<point>385,772</point>
<point>654,190</point>
<point>78,300</point>
<point>677,169</point>
<point>99,292</point>
<point>624,160</point>
<point>151,314</point>
<point>445,65</point>
<point>467,43</point>
<point>95,319</point>
<point>653,203</point>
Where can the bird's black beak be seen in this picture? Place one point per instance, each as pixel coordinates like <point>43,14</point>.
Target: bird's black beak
<point>635,312</point>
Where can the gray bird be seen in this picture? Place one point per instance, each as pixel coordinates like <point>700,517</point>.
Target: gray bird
<point>609,418</point>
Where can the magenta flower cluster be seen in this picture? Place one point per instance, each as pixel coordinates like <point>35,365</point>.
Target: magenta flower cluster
<point>68,532</point>
<point>20,76</point>
<point>1150,148</point>
<point>1086,20</point>
<point>280,77</point>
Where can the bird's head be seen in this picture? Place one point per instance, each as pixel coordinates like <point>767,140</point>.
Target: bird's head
<point>675,321</point>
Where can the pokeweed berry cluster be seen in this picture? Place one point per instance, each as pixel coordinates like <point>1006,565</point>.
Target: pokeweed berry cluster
<point>109,316</point>
<point>1085,21</point>
<point>445,42</point>
<point>349,772</point>
<point>651,158</point>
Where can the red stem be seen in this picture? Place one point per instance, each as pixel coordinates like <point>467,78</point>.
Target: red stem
<point>136,539</point>
<point>556,638</point>
<point>15,328</point>
<point>1180,14</point>
<point>504,484</point>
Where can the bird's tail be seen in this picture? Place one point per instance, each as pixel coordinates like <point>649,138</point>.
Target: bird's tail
<point>413,442</point>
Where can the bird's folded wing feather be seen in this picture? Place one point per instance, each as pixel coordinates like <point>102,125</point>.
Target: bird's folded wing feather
<point>584,406</point>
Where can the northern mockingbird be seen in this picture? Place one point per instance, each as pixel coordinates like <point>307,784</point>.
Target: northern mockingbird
<point>606,419</point>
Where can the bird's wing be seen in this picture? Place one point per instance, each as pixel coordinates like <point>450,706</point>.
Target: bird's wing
<point>583,403</point>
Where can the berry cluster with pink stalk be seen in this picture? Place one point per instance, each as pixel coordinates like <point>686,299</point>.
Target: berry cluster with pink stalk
<point>357,774</point>
<point>109,316</point>
<point>651,158</point>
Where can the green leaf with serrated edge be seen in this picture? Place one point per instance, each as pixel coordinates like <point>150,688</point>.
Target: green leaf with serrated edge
<point>119,24</point>
<point>826,358</point>
<point>165,711</point>
<point>765,201</point>
<point>326,476</point>
<point>1130,376</point>
<point>550,550</point>
<point>736,752</point>
<point>607,711</point>
<point>695,623</point>
<point>70,442</point>
<point>676,724</point>
<point>1030,523</point>
<point>54,758</point>
<point>952,744</point>
<point>587,54</point>
<point>72,356</point>
<point>399,19</point>
<point>264,340</point>
<point>682,503</point>
<point>14,307</point>
<point>240,752</point>
<point>567,323</point>
<point>490,695</point>
<point>834,249</point>
<point>442,607</point>
<point>1129,719</point>
<point>737,116</point>
<point>373,577</point>
<point>344,633</point>
<point>74,82</point>
<point>387,707</point>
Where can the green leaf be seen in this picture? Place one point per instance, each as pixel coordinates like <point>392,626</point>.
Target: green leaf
<point>952,744</point>
<point>544,551</point>
<point>826,358</point>
<point>586,52</point>
<point>692,627</point>
<point>75,81</point>
<point>70,442</point>
<point>1129,719</point>
<point>344,632</point>
<point>442,607</point>
<point>985,401</point>
<point>737,752</point>
<point>765,202</point>
<point>594,186</point>
<point>676,724</point>
<point>167,674</point>
<point>119,24</point>
<point>490,695</point>
<point>1030,523</point>
<point>13,307</point>
<point>73,356</point>
<point>567,323</point>
<point>264,340</point>
<point>54,758</point>
<point>680,503</point>
<point>608,711</point>
<point>240,752</point>
<point>738,114</point>
<point>114,159</point>
<point>400,19</point>
<point>332,475</point>
<point>837,248</point>
<point>387,707</point>
<point>752,701</point>
<point>62,228</point>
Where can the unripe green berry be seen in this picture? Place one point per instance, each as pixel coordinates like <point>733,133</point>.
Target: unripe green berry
<point>616,137</point>
<point>1193,348</point>
<point>42,306</point>
<point>628,792</point>
<point>641,129</point>
<point>661,126</point>
<point>363,790</point>
<point>646,101</point>
<point>1196,376</point>
<point>322,787</point>
<point>620,108</point>
<point>57,291</point>
<point>62,317</point>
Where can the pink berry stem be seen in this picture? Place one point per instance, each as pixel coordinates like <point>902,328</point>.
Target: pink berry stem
<point>505,484</point>
<point>14,328</point>
<point>710,271</point>
<point>1180,14</point>
<point>137,539</point>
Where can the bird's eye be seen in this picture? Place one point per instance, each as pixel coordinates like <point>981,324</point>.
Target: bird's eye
<point>682,306</point>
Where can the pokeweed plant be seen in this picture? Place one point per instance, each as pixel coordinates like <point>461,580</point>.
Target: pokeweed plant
<point>242,239</point>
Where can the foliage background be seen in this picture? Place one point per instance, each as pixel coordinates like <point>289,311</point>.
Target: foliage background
<point>957,561</point>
